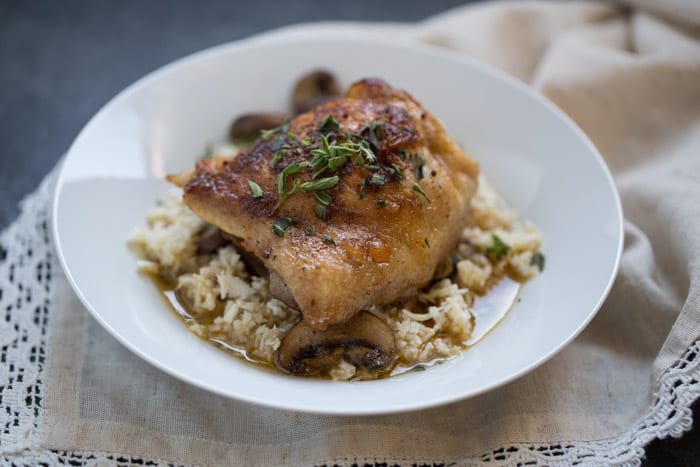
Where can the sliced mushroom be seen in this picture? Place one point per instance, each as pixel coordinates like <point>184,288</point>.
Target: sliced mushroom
<point>364,340</point>
<point>313,89</point>
<point>247,127</point>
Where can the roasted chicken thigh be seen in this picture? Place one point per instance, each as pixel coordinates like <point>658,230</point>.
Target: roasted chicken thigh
<point>353,203</point>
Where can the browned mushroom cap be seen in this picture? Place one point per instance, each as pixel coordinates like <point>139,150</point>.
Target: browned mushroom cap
<point>313,89</point>
<point>247,127</point>
<point>364,340</point>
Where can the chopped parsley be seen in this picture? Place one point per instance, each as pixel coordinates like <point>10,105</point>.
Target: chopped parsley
<point>328,239</point>
<point>381,203</point>
<point>499,249</point>
<point>310,230</point>
<point>280,225</point>
<point>255,189</point>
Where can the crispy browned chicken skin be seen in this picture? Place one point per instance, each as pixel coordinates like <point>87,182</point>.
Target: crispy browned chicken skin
<point>389,222</point>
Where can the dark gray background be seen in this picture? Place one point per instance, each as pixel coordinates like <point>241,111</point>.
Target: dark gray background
<point>60,61</point>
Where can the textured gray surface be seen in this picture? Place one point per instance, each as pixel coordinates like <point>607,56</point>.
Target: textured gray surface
<point>61,61</point>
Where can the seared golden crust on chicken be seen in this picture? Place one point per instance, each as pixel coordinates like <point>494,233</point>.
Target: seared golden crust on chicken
<point>395,210</point>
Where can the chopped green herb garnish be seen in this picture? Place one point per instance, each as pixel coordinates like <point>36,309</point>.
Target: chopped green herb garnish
<point>310,230</point>
<point>418,189</point>
<point>499,249</point>
<point>329,124</point>
<point>328,239</point>
<point>538,260</point>
<point>419,161</point>
<point>291,135</point>
<point>375,131</point>
<point>320,184</point>
<point>398,171</point>
<point>321,212</point>
<point>402,154</point>
<point>381,203</point>
<point>323,198</point>
<point>276,157</point>
<point>280,184</point>
<point>335,163</point>
<point>283,128</point>
<point>306,141</point>
<point>280,225</point>
<point>376,180</point>
<point>255,189</point>
<point>292,168</point>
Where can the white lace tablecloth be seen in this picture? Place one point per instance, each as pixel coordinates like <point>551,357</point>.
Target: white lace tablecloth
<point>70,394</point>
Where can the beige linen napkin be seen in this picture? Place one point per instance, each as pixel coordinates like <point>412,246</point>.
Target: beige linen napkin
<point>632,82</point>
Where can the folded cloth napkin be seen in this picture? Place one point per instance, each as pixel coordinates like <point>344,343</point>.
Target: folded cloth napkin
<point>631,80</point>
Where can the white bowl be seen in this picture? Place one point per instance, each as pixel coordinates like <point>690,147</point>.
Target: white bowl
<point>534,154</point>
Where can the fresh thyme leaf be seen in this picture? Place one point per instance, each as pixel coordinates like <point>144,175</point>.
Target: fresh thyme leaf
<point>499,249</point>
<point>418,189</point>
<point>398,171</point>
<point>335,163</point>
<point>363,191</point>
<point>306,141</point>
<point>283,128</point>
<point>326,147</point>
<point>376,180</point>
<point>291,135</point>
<point>329,124</point>
<point>374,131</point>
<point>296,187</point>
<point>292,168</point>
<point>255,189</point>
<point>381,203</point>
<point>280,225</point>
<point>323,198</point>
<point>320,184</point>
<point>280,184</point>
<point>318,172</point>
<point>538,260</point>
<point>328,239</point>
<point>321,212</point>
<point>310,230</point>
<point>276,157</point>
<point>402,154</point>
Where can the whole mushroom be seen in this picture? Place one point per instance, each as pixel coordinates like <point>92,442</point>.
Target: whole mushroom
<point>313,89</point>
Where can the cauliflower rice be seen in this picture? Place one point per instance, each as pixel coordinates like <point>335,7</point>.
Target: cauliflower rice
<point>233,308</point>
